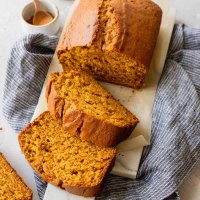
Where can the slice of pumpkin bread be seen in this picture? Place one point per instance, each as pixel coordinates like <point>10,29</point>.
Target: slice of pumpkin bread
<point>87,109</point>
<point>64,160</point>
<point>12,186</point>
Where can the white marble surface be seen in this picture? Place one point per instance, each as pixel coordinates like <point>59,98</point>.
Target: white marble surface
<point>188,12</point>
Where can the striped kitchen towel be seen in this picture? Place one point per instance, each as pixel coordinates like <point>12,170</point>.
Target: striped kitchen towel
<point>27,68</point>
<point>175,142</point>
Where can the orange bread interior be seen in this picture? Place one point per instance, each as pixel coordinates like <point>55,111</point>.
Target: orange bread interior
<point>12,186</point>
<point>91,98</point>
<point>62,159</point>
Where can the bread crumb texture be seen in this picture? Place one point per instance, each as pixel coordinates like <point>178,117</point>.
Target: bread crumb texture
<point>107,66</point>
<point>79,88</point>
<point>62,159</point>
<point>12,186</point>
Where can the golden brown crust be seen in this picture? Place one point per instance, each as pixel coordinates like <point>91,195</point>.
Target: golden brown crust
<point>84,191</point>
<point>77,189</point>
<point>83,33</point>
<point>137,27</point>
<point>94,130</point>
<point>87,127</point>
<point>140,20</point>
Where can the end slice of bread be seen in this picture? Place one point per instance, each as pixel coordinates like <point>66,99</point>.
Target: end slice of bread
<point>12,186</point>
<point>64,160</point>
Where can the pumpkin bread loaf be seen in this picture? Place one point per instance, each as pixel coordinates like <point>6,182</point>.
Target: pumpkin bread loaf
<point>87,109</point>
<point>64,160</point>
<point>12,186</point>
<point>114,40</point>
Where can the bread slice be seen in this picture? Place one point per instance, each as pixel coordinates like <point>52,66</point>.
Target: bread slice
<point>87,109</point>
<point>12,186</point>
<point>113,40</point>
<point>63,160</point>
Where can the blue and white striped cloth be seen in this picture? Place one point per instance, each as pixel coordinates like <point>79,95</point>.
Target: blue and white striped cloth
<point>175,142</point>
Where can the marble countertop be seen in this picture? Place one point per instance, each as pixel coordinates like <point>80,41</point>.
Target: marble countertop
<point>188,12</point>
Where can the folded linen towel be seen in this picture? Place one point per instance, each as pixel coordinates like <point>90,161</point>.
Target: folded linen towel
<point>175,142</point>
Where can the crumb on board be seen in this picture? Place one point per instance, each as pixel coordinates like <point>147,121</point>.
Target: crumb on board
<point>1,128</point>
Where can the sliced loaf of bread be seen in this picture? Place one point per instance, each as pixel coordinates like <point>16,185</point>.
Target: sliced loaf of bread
<point>113,40</point>
<point>12,186</point>
<point>64,160</point>
<point>87,109</point>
